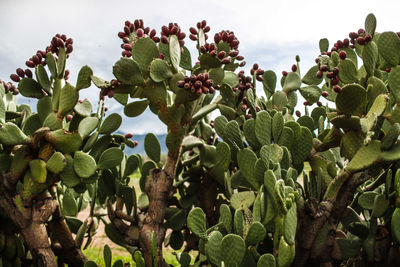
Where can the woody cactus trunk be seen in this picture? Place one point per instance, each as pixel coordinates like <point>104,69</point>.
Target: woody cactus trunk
<point>263,184</point>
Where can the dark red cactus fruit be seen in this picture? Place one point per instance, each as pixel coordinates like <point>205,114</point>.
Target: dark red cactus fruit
<point>69,49</point>
<point>330,75</point>
<point>360,41</point>
<point>164,39</point>
<point>203,23</point>
<point>332,50</point>
<point>165,30</point>
<point>324,94</point>
<point>198,25</point>
<point>239,58</point>
<point>342,55</point>
<point>335,70</point>
<point>69,117</point>
<point>217,38</point>
<point>324,68</point>
<point>135,143</point>
<point>15,78</point>
<point>139,33</point>
<point>127,47</point>
<point>126,53</point>
<point>193,37</point>
<point>15,91</point>
<point>298,114</point>
<point>368,38</point>
<point>294,67</point>
<point>320,74</point>
<point>174,30</point>
<point>181,35</point>
<point>191,152</point>
<point>156,39</point>
<point>252,72</point>
<point>152,33</point>
<point>259,78</point>
<point>346,42</point>
<point>193,30</point>
<point>329,54</point>
<point>335,81</point>
<point>128,135</point>
<point>306,103</point>
<point>221,54</point>
<point>180,84</point>
<point>226,60</point>
<point>258,108</point>
<point>284,73</point>
<point>337,89</point>
<point>206,29</point>
<point>361,31</point>
<point>248,116</point>
<point>35,59</point>
<point>213,53</point>
<point>242,64</point>
<point>110,93</point>
<point>353,35</point>
<point>233,53</point>
<point>20,72</point>
<point>388,70</point>
<point>319,104</point>
<point>260,72</point>
<point>255,66</point>
<point>28,73</point>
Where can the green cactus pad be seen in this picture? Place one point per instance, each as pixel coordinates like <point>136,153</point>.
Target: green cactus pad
<point>174,51</point>
<point>233,133</point>
<point>323,45</point>
<point>269,82</point>
<point>53,121</point>
<point>350,143</point>
<point>370,24</point>
<point>30,88</point>
<point>233,249</point>
<point>70,207</point>
<point>348,123</point>
<point>381,204</point>
<point>159,70</point>
<point>311,76</point>
<point>43,78</point>
<point>51,64</point>
<point>350,99</point>
<point>127,71</point>
<point>376,110</point>
<point>213,248</point>
<point>389,47</point>
<point>279,100</point>
<point>144,50</point>
<point>68,176</point>
<point>266,260</point>
<point>391,136</point>
<point>246,160</point>
<point>249,133</point>
<point>11,134</point>
<point>84,79</point>
<point>84,108</point>
<point>292,82</point>
<point>223,154</point>
<point>56,163</point>
<point>136,108</point>
<point>286,138</point>
<point>263,127</point>
<point>111,124</point>
<point>225,217</point>
<point>65,142</point>
<point>395,224</point>
<point>87,126</point>
<point>290,225</point>
<point>286,253</point>
<point>84,164</point>
<point>196,222</point>
<point>347,71</point>
<point>349,247</point>
<point>307,121</point>
<point>68,99</point>
<point>110,158</point>
<point>44,107</point>
<point>38,170</point>
<point>311,93</point>
<point>255,234</point>
<point>394,82</point>
<point>242,200</point>
<point>301,150</point>
<point>152,147</point>
<point>277,126</point>
<point>370,57</point>
<point>61,60</point>
<point>365,157</point>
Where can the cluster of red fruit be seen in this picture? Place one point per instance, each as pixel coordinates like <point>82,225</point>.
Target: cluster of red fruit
<point>200,25</point>
<point>245,82</point>
<point>244,107</point>
<point>109,91</point>
<point>258,72</point>
<point>172,29</point>
<point>360,37</point>
<point>294,69</point>
<point>197,84</point>
<point>9,87</point>
<point>138,30</point>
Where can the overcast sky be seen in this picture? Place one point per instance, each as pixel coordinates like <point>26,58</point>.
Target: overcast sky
<point>271,33</point>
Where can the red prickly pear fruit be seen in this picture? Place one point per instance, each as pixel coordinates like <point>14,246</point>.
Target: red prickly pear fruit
<point>361,31</point>
<point>69,117</point>
<point>126,53</point>
<point>234,53</point>
<point>342,55</point>
<point>207,29</point>
<point>121,35</point>
<point>164,39</point>
<point>60,42</point>
<point>139,33</point>
<point>259,78</point>
<point>69,49</point>
<point>127,30</point>
<point>368,38</point>
<point>244,100</point>
<point>242,64</point>
<point>255,66</point>
<point>125,40</point>
<point>63,37</point>
<point>161,56</point>
<point>298,114</point>
<point>28,73</point>
<point>181,84</point>
<point>398,34</point>
<point>294,67</point>
<point>335,81</point>
<point>128,135</point>
<point>324,93</point>
<point>248,116</point>
<point>335,70</point>
<point>174,30</point>
<point>156,39</point>
<point>146,30</point>
<point>127,47</point>
<point>226,60</point>
<point>217,38</point>
<point>252,71</point>
<point>388,70</point>
<point>333,49</point>
<point>360,41</point>
<point>231,37</point>
<point>324,68</point>
<point>221,54</point>
<point>320,74</point>
<point>213,53</point>
<point>203,23</point>
<point>110,93</point>
<point>127,23</point>
<point>20,72</point>
<point>181,44</point>
<point>80,101</point>
<point>234,43</point>
<point>181,35</point>
<point>35,59</point>
<point>353,35</point>
<point>187,86</point>
<point>260,72</point>
<point>258,108</point>
<point>239,58</point>
<point>16,91</point>
<point>284,73</point>
<point>193,30</point>
<point>193,37</point>
<point>319,104</point>
<point>330,75</point>
<point>306,103</point>
<point>152,33</point>
<point>346,42</point>
<point>337,89</point>
<point>191,152</point>
<point>135,143</point>
<point>243,107</point>
<point>15,77</point>
<point>165,30</point>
